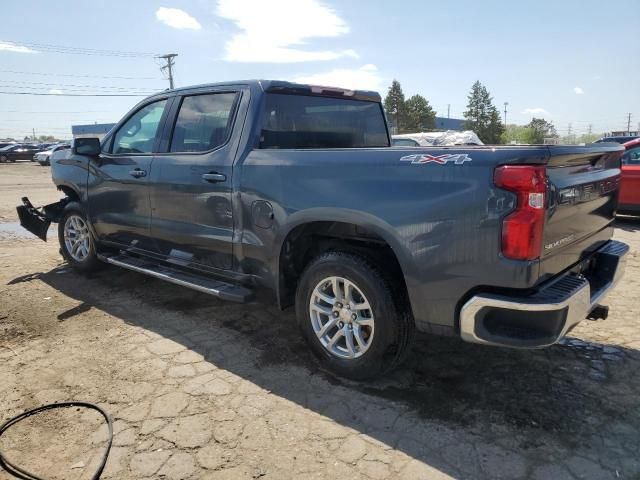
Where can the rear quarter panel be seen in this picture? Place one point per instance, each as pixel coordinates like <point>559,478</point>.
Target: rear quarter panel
<point>443,222</point>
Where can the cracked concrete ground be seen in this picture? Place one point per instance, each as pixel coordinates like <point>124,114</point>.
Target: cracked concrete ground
<point>200,388</point>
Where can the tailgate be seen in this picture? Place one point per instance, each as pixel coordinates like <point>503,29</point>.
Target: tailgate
<point>583,197</point>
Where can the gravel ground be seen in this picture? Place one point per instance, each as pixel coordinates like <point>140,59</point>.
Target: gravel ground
<point>200,388</point>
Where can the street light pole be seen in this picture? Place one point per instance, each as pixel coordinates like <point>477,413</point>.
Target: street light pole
<point>505,113</point>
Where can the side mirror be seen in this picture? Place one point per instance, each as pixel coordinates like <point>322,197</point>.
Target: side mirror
<point>87,146</point>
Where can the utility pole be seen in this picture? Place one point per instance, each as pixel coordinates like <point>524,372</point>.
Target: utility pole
<point>590,129</point>
<point>505,113</point>
<point>629,123</point>
<point>169,66</point>
<point>569,130</point>
<point>33,130</point>
<point>448,110</point>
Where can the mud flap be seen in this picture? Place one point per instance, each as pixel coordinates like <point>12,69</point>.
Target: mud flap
<point>36,220</point>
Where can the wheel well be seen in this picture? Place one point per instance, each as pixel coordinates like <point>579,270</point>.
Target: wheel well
<point>70,193</point>
<point>308,241</point>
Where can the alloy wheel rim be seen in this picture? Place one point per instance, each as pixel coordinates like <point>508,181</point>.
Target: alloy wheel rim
<point>341,317</point>
<point>77,238</point>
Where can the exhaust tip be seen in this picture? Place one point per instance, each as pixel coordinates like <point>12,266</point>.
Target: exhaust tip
<point>599,312</point>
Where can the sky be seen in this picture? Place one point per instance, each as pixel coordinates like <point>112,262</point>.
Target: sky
<point>571,62</point>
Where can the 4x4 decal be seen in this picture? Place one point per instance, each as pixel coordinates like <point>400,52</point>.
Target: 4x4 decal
<point>457,158</point>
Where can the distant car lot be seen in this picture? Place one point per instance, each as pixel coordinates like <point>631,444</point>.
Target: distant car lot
<point>13,153</point>
<point>44,157</point>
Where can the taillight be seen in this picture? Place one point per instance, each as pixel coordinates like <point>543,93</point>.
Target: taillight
<point>522,229</point>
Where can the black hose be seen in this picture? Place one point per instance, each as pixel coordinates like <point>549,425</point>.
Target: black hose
<point>21,473</point>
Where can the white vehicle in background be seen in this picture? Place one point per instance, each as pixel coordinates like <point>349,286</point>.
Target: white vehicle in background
<point>44,157</point>
<point>436,139</point>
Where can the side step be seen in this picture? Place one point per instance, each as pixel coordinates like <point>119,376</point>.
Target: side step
<point>217,288</point>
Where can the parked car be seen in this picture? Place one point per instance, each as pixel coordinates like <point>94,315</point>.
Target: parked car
<point>43,158</point>
<point>292,194</point>
<point>13,153</point>
<point>6,144</point>
<point>618,139</point>
<point>630,180</point>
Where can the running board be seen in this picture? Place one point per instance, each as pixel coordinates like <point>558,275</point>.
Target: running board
<point>217,288</point>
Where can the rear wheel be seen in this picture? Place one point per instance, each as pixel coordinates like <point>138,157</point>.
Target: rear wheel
<point>76,241</point>
<point>350,317</point>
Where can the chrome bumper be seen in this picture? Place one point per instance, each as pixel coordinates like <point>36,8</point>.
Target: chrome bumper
<point>541,319</point>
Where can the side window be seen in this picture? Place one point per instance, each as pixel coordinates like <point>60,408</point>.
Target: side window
<point>632,157</point>
<point>138,134</point>
<point>203,123</point>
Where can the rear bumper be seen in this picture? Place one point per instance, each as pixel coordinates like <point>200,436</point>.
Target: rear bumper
<point>544,317</point>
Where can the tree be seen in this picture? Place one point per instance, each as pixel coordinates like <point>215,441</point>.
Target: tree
<point>517,134</point>
<point>394,105</point>
<point>418,115</point>
<point>482,116</point>
<point>541,129</point>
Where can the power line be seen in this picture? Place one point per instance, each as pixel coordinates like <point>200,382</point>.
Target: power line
<point>57,113</point>
<point>76,94</point>
<point>48,74</point>
<point>53,91</point>
<point>65,85</point>
<point>50,48</point>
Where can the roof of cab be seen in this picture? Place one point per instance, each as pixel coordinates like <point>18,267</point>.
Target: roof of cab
<point>282,86</point>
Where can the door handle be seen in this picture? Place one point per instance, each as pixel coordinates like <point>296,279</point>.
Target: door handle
<point>138,173</point>
<point>214,177</point>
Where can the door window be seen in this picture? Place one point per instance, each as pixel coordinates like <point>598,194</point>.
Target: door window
<point>632,157</point>
<point>138,134</point>
<point>203,123</point>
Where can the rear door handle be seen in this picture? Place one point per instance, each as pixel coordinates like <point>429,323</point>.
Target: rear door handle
<point>214,177</point>
<point>138,173</point>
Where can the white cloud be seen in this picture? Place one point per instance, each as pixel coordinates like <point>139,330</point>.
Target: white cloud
<point>56,91</point>
<point>363,78</point>
<point>277,31</point>
<point>176,18</point>
<point>535,111</point>
<point>578,91</point>
<point>12,47</point>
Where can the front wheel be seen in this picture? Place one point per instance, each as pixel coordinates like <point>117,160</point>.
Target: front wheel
<point>76,241</point>
<point>3,158</point>
<point>350,318</point>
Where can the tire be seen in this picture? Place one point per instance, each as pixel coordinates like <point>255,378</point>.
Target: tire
<point>3,158</point>
<point>383,346</point>
<point>74,218</point>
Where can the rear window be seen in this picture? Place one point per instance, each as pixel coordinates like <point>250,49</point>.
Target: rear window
<point>304,121</point>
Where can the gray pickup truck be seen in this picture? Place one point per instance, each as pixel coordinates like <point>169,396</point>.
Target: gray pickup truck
<point>292,194</point>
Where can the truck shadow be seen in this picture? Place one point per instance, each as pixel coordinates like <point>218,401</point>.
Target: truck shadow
<point>541,403</point>
<point>628,223</point>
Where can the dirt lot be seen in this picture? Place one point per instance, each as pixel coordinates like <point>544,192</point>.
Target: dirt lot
<point>199,388</point>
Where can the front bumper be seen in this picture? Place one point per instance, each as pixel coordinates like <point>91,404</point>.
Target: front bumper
<point>544,317</point>
<point>37,220</point>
